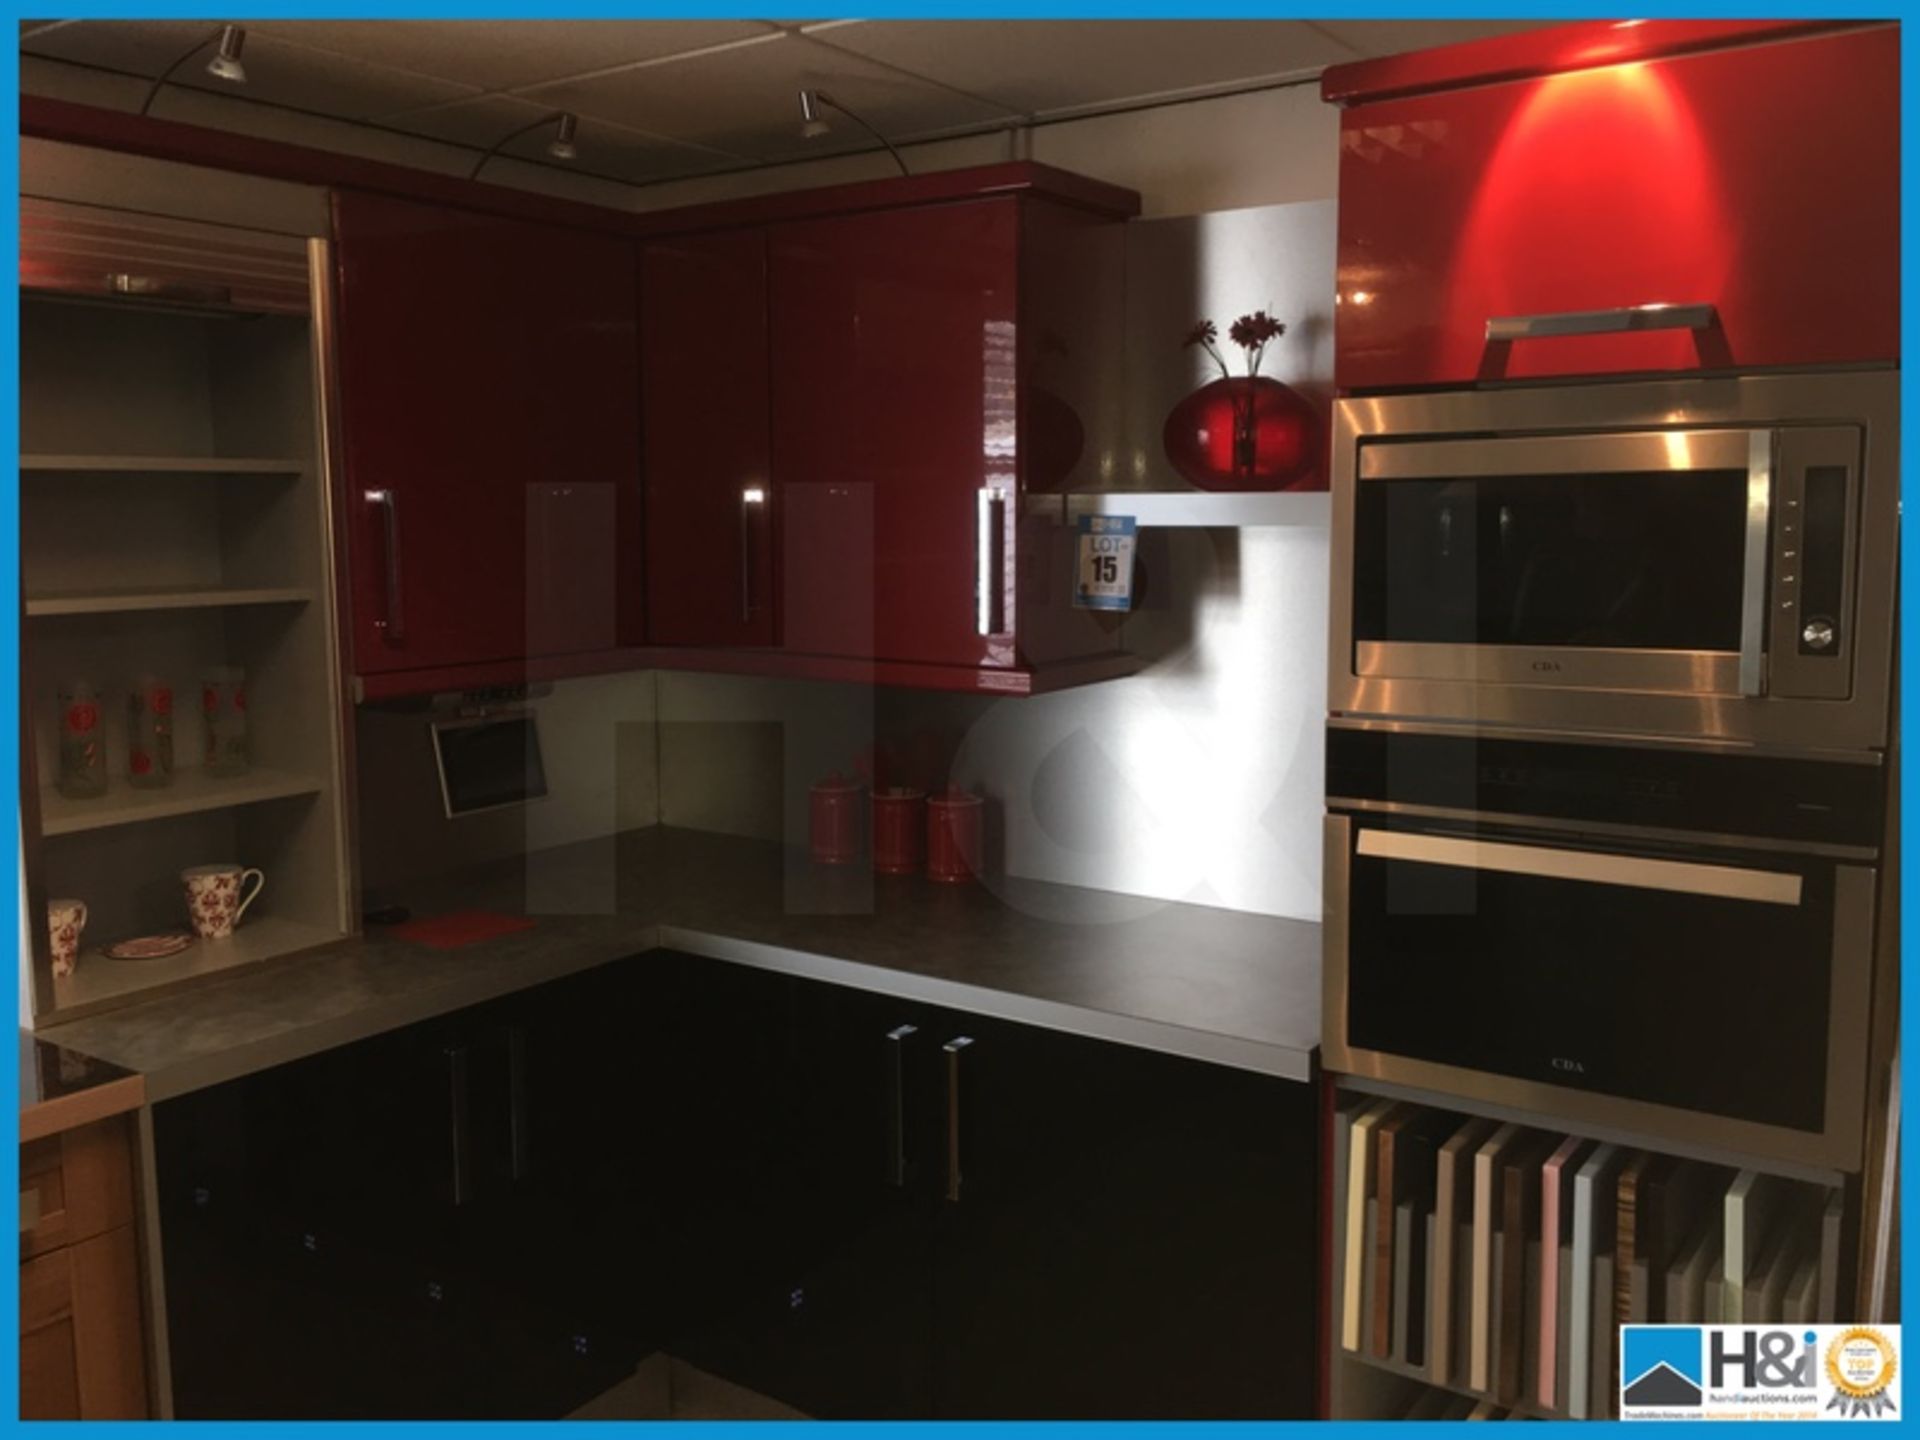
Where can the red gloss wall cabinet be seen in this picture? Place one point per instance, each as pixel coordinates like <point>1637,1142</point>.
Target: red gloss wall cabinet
<point>905,435</point>
<point>489,390</point>
<point>893,417</point>
<point>1762,180</point>
<point>704,423</point>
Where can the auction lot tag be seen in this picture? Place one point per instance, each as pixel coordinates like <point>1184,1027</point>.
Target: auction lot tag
<point>1104,572</point>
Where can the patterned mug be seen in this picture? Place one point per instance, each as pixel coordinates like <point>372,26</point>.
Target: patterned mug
<point>213,898</point>
<point>65,920</point>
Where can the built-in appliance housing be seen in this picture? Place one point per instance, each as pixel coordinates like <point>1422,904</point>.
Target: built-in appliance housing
<point>1671,941</point>
<point>1702,559</point>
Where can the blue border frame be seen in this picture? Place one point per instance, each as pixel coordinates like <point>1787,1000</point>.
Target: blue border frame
<point>925,9</point>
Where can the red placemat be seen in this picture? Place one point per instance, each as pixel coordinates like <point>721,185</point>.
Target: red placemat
<point>463,927</point>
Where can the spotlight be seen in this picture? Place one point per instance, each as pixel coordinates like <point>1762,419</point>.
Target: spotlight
<point>225,65</point>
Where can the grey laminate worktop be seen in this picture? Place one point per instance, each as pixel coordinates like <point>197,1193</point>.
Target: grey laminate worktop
<point>1218,985</point>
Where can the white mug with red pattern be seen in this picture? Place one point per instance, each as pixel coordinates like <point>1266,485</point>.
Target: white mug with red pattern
<point>65,920</point>
<point>214,902</point>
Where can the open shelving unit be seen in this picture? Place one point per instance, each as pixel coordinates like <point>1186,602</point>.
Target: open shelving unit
<point>1385,1291</point>
<point>120,602</point>
<point>159,465</point>
<point>174,519</point>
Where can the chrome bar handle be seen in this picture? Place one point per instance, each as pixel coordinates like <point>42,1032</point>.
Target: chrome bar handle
<point>517,1136</point>
<point>180,292</point>
<point>752,499</point>
<point>897,1104</point>
<point>954,1048</point>
<point>1753,580</point>
<point>1601,322</point>
<point>990,523</point>
<point>393,622</point>
<point>457,1095</point>
<point>1683,877</point>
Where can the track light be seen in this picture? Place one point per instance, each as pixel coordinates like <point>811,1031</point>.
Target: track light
<point>561,147</point>
<point>225,64</point>
<point>812,126</point>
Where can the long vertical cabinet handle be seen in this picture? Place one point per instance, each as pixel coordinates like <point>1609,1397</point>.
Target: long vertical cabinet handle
<point>392,623</point>
<point>896,1079</point>
<point>517,1137</point>
<point>457,1114</point>
<point>955,1048</point>
<point>753,501</point>
<point>990,561</point>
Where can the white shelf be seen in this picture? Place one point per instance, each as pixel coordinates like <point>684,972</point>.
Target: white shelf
<point>157,465</point>
<point>99,981</point>
<point>1306,509</point>
<point>191,792</point>
<point>110,602</point>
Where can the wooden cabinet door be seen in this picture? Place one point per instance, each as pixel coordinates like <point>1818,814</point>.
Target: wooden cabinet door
<point>1762,180</point>
<point>489,402</point>
<point>82,1348</point>
<point>894,430</point>
<point>710,522</point>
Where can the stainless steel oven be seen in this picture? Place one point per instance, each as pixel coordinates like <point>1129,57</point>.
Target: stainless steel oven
<point>1664,940</point>
<point>1700,558</point>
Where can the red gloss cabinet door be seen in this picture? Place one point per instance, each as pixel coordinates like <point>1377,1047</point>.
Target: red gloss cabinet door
<point>1762,180</point>
<point>489,402</point>
<point>894,430</point>
<point>709,542</point>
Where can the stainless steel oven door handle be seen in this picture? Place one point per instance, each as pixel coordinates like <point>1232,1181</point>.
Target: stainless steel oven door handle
<point>1601,322</point>
<point>1685,877</point>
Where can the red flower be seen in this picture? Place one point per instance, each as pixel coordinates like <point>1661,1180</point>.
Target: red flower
<point>1203,333</point>
<point>139,762</point>
<point>1250,332</point>
<point>209,701</point>
<point>82,717</point>
<point>160,700</point>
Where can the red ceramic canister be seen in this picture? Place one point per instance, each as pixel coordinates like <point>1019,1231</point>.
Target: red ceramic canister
<point>899,827</point>
<point>953,836</point>
<point>833,821</point>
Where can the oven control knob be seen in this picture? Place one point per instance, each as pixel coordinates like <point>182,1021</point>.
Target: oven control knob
<point>1817,634</point>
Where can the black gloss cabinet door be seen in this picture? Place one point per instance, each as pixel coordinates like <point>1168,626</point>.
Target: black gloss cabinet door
<point>450,1221</point>
<point>800,1243</point>
<point>1122,1234</point>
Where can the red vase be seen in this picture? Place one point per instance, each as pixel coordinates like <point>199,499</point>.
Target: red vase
<point>1247,433</point>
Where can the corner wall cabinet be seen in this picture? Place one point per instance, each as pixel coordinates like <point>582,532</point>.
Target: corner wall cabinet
<point>846,410</point>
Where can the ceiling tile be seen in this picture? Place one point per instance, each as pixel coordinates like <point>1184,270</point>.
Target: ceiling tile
<point>277,73</point>
<point>1038,66</point>
<point>139,47</point>
<point>745,99</point>
<point>506,54</point>
<point>1396,37</point>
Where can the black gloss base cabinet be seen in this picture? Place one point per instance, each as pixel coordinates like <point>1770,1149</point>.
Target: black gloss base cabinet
<point>863,1207</point>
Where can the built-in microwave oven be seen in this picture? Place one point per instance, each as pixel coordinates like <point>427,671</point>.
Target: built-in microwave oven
<point>1698,558</point>
<point>1670,941</point>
